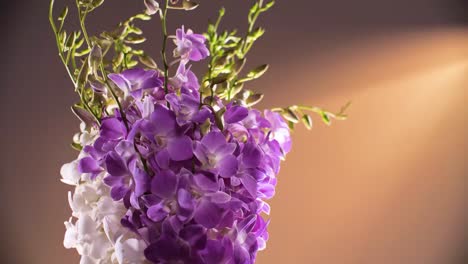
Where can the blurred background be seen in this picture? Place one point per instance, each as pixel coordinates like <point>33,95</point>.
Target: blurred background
<point>389,185</point>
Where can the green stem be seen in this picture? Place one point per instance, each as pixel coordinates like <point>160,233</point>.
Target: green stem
<point>164,46</point>
<point>338,116</point>
<point>82,17</point>
<point>65,62</point>
<point>247,47</point>
<point>212,59</point>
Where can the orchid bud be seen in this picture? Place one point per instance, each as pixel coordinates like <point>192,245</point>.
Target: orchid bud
<point>152,7</point>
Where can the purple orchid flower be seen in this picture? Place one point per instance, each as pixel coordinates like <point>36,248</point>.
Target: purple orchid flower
<point>215,154</point>
<point>185,79</point>
<point>190,46</point>
<point>162,129</point>
<point>187,108</point>
<point>280,130</point>
<point>134,82</point>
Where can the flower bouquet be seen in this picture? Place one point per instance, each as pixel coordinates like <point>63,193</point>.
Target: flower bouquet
<point>172,167</point>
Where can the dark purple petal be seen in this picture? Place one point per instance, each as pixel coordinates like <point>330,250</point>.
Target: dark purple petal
<point>214,252</point>
<point>166,250</point>
<point>150,199</point>
<point>206,181</point>
<point>118,192</point>
<point>164,184</point>
<point>112,128</point>
<point>252,156</point>
<point>227,166</point>
<point>195,235</point>
<point>235,114</point>
<point>219,197</point>
<point>180,148</point>
<point>157,212</point>
<point>241,255</point>
<point>142,182</point>
<point>163,159</point>
<point>250,184</point>
<point>113,180</point>
<point>213,140</point>
<point>208,214</point>
<point>163,120</point>
<point>185,199</point>
<point>115,165</point>
<point>88,165</point>
<point>120,81</point>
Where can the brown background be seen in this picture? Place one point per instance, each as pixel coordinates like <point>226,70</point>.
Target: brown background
<point>387,186</point>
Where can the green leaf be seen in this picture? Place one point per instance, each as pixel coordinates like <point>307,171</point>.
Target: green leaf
<point>307,120</point>
<point>135,30</point>
<point>97,3</point>
<point>220,79</point>
<point>76,146</point>
<point>83,76</point>
<point>71,41</point>
<point>267,6</point>
<point>135,39</point>
<point>253,10</point>
<point>82,53</point>
<point>118,59</point>
<point>63,39</point>
<point>79,42</point>
<point>63,15</point>
<point>144,17</point>
<point>131,63</point>
<point>255,73</point>
<point>258,72</point>
<point>259,32</point>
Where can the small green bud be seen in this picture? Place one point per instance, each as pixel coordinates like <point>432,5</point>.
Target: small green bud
<point>254,99</point>
<point>135,39</point>
<point>307,120</point>
<point>325,117</point>
<point>63,15</point>
<point>290,115</point>
<point>148,61</point>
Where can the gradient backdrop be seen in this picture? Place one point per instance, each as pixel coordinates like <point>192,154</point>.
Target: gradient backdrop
<point>387,186</point>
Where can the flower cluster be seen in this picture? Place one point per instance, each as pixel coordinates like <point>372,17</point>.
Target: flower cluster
<point>166,179</point>
<point>97,234</point>
<point>171,168</point>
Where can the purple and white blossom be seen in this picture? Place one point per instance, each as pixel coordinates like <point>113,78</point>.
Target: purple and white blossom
<point>190,46</point>
<point>159,181</point>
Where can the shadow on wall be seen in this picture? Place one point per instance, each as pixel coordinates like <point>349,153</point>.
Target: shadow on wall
<point>460,8</point>
<point>386,186</point>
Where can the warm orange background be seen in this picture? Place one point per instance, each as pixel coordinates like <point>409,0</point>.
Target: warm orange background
<point>387,186</point>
